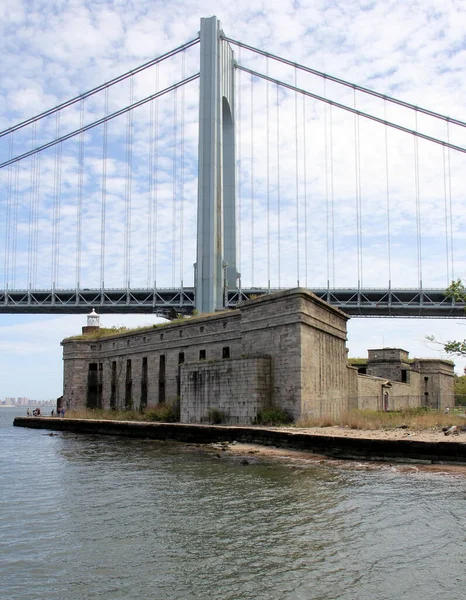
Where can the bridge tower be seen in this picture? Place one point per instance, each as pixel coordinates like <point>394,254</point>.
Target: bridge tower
<point>216,212</point>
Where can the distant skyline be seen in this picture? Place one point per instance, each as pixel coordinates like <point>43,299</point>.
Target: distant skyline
<point>52,51</point>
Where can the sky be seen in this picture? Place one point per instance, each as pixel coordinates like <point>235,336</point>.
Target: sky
<point>352,199</point>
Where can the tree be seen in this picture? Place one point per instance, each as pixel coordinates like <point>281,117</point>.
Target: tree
<point>456,291</point>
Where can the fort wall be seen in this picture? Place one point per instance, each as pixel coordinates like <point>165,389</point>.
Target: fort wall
<point>286,350</point>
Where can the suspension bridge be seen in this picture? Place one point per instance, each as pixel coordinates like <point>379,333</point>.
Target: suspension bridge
<point>219,171</point>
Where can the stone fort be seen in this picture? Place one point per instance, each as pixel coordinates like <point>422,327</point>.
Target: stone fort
<point>286,350</point>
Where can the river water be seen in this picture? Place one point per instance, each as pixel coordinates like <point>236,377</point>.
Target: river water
<point>86,517</point>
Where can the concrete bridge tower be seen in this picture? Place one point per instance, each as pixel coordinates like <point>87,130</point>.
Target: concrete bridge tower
<point>216,213</point>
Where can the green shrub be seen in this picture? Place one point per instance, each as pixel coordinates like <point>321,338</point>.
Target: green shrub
<point>273,416</point>
<point>162,413</point>
<point>216,416</point>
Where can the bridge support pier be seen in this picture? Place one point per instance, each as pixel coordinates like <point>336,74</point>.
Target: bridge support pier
<point>216,216</point>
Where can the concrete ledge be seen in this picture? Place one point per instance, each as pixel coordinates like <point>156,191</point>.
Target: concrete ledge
<point>332,446</point>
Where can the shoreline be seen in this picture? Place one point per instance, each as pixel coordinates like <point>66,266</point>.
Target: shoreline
<point>400,445</point>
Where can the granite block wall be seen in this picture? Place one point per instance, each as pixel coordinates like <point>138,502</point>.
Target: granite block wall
<point>237,389</point>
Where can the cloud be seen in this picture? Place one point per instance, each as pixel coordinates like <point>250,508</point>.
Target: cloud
<point>354,181</point>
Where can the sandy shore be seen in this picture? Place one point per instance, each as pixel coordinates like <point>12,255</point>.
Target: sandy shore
<point>250,453</point>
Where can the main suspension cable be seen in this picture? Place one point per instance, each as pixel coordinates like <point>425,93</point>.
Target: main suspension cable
<point>118,113</point>
<point>352,110</point>
<point>353,86</point>
<point>101,87</point>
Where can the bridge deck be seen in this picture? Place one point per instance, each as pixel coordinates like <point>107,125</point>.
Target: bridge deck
<point>170,302</point>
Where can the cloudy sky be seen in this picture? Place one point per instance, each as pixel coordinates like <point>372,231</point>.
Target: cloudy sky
<point>360,202</point>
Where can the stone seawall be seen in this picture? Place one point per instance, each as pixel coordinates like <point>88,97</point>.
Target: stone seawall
<point>332,446</point>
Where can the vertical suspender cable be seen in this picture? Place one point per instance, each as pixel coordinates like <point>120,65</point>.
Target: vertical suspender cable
<point>418,204</point>
<point>36,220</point>
<point>56,205</point>
<point>103,210</point>
<point>182,117</point>
<point>238,167</point>
<point>128,186</point>
<point>452,245</point>
<point>387,180</point>
<point>175,183</point>
<point>31,206</point>
<point>15,225</point>
<point>150,204</point>
<point>332,199</point>
<point>8,215</point>
<point>296,174</point>
<point>252,181</point>
<point>156,177</point>
<point>268,172</point>
<point>445,196</point>
<point>278,188</point>
<point>327,195</point>
<point>305,189</point>
<point>357,159</point>
<point>79,207</point>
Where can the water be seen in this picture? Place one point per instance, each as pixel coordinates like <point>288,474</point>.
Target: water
<point>84,517</point>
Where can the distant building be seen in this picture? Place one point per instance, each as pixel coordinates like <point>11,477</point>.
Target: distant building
<point>286,349</point>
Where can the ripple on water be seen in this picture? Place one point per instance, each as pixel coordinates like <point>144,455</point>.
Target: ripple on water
<point>98,517</point>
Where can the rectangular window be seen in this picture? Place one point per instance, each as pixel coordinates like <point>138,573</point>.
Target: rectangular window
<point>144,383</point>
<point>129,386</point>
<point>162,378</point>
<point>226,352</point>
<point>202,354</point>
<point>404,376</point>
<point>113,385</point>
<point>178,378</point>
<point>94,387</point>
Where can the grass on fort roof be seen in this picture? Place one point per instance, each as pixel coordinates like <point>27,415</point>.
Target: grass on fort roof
<point>104,332</point>
<point>113,331</point>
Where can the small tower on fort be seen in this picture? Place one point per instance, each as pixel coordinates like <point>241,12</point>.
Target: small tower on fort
<point>93,322</point>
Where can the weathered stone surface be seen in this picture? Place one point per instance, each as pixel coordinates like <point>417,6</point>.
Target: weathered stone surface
<point>285,349</point>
